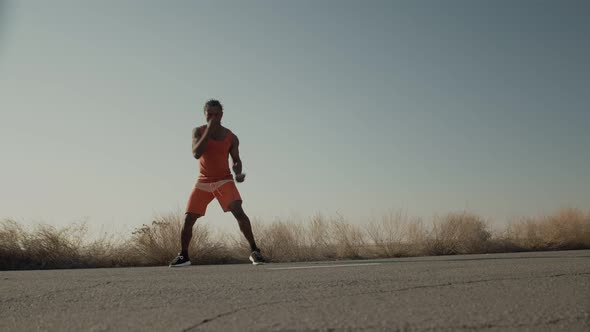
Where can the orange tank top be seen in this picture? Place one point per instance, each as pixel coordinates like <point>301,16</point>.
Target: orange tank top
<point>214,162</point>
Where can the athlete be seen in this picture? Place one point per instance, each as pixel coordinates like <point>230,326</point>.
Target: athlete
<point>212,146</point>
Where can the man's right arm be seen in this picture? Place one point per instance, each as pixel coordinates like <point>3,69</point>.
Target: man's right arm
<point>199,142</point>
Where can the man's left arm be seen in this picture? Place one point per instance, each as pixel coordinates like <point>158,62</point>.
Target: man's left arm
<point>235,157</point>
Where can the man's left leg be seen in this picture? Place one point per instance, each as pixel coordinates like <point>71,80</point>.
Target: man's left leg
<point>230,200</point>
<point>236,209</point>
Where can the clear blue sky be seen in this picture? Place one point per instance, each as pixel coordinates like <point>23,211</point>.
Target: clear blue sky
<point>350,107</point>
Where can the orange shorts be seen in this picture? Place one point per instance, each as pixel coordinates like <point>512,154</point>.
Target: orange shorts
<point>203,193</point>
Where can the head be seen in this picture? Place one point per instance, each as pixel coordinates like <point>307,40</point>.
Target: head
<point>213,110</point>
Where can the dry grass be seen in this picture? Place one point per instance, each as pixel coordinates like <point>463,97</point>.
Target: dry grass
<point>48,247</point>
<point>159,242</point>
<point>397,235</point>
<point>458,233</point>
<point>567,229</point>
<point>318,238</point>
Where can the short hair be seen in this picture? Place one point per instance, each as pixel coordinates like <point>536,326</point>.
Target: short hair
<point>213,103</point>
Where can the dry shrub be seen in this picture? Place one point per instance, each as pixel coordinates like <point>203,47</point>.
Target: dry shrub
<point>46,247</point>
<point>53,247</point>
<point>349,239</point>
<point>159,243</point>
<point>396,235</point>
<point>109,251</point>
<point>282,241</point>
<point>417,236</point>
<point>567,229</point>
<point>319,238</point>
<point>458,233</point>
<point>12,239</point>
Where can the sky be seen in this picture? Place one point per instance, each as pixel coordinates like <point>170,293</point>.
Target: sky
<point>352,108</point>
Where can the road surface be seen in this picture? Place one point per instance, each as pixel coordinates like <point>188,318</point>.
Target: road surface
<point>501,292</point>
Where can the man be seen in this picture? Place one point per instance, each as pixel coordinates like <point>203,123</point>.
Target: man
<point>212,145</point>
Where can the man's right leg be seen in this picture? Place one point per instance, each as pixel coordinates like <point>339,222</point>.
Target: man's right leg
<point>187,232</point>
<point>195,208</point>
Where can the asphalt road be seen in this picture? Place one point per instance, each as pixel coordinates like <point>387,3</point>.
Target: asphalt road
<point>526,291</point>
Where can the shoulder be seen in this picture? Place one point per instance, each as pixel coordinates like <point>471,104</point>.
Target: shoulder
<point>197,131</point>
<point>233,137</point>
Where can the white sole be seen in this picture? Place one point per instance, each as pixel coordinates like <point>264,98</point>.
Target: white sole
<point>255,263</point>
<point>182,264</point>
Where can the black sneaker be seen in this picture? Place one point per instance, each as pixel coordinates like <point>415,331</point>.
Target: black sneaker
<point>256,258</point>
<point>180,261</point>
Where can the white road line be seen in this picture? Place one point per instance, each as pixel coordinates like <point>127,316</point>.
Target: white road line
<point>320,266</point>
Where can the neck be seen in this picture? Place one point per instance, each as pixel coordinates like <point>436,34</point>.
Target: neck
<point>216,129</point>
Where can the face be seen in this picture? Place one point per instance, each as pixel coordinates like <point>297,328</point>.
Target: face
<point>213,112</point>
